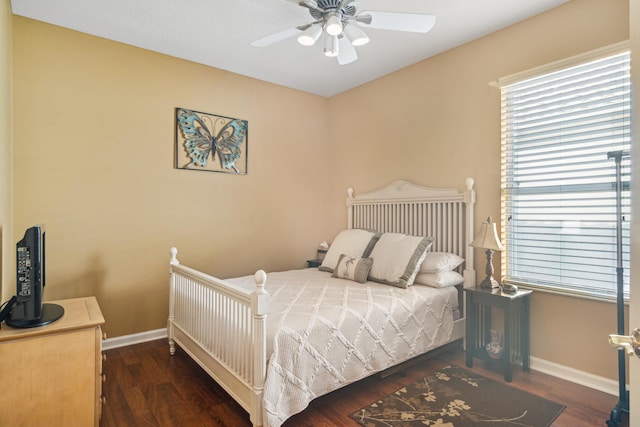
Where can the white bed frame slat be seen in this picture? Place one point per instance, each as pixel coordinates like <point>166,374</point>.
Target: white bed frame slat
<point>223,327</point>
<point>402,207</point>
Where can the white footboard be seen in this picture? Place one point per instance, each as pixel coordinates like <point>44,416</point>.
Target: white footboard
<point>223,328</point>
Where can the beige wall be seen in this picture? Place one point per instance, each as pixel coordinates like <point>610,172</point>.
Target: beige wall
<point>437,122</point>
<point>7,269</point>
<point>94,147</point>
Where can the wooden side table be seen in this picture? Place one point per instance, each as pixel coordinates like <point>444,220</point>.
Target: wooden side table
<point>52,375</point>
<point>479,302</point>
<point>313,263</point>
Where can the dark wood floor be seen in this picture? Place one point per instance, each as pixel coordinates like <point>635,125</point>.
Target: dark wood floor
<point>147,387</point>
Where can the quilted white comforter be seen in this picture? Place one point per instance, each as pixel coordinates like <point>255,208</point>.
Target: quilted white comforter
<point>324,333</point>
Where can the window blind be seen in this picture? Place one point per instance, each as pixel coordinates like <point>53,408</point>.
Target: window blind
<point>558,184</point>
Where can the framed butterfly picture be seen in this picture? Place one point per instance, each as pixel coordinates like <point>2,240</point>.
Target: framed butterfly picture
<point>211,143</point>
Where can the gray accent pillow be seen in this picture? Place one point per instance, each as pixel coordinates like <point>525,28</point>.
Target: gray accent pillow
<point>356,269</point>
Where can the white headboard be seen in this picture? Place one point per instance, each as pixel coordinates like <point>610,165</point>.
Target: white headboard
<point>402,207</point>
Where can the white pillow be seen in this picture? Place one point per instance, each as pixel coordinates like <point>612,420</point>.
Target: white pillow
<point>436,262</point>
<point>354,243</point>
<point>439,280</point>
<point>397,257</point>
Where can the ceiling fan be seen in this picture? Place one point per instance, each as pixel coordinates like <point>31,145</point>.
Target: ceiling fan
<point>340,22</point>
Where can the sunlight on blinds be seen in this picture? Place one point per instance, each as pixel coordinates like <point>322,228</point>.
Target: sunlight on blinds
<point>558,185</point>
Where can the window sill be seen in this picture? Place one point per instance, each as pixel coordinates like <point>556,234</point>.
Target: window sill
<point>570,293</point>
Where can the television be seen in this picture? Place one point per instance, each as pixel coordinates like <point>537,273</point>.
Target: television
<point>27,309</point>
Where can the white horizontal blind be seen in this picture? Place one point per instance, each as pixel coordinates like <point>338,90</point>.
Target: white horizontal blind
<point>558,185</point>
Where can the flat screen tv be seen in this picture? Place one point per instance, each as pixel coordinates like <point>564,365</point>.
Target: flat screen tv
<point>27,309</point>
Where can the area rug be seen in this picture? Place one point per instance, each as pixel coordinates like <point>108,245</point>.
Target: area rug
<point>455,397</point>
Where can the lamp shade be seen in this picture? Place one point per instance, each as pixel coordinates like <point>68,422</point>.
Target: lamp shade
<point>334,24</point>
<point>331,44</point>
<point>356,36</point>
<point>310,36</point>
<point>487,238</point>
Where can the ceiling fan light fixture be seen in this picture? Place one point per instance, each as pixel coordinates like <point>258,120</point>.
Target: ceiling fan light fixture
<point>341,23</point>
<point>310,36</point>
<point>356,36</point>
<point>331,44</point>
<point>333,24</point>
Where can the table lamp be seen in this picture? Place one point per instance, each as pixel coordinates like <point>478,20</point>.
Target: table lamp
<point>487,239</point>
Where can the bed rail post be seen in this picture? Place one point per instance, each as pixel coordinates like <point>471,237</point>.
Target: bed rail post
<point>349,208</point>
<point>259,307</point>
<point>172,290</point>
<point>469,200</point>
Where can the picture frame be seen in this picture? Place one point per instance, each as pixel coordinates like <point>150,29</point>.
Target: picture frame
<point>210,142</point>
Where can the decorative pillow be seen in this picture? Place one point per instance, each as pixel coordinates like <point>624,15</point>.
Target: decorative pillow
<point>439,280</point>
<point>436,262</point>
<point>355,243</point>
<point>397,257</point>
<point>356,269</point>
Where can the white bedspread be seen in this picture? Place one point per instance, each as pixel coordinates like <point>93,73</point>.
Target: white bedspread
<point>324,333</point>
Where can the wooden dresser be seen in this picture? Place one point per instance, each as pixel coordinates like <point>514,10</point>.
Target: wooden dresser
<point>52,375</point>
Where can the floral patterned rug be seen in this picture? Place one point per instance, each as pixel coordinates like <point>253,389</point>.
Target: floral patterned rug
<point>455,397</point>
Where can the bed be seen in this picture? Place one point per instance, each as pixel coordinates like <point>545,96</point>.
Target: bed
<point>388,290</point>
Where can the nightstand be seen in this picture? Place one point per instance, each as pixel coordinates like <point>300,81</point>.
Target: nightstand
<point>479,302</point>
<point>52,375</point>
<point>313,263</point>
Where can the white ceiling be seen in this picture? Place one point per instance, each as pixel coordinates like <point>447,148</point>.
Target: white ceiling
<point>218,33</point>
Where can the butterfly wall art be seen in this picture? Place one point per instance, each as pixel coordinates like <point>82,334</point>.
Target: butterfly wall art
<point>210,143</point>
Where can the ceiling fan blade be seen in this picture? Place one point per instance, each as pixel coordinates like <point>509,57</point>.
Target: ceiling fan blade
<point>279,36</point>
<point>346,52</point>
<point>309,4</point>
<point>412,22</point>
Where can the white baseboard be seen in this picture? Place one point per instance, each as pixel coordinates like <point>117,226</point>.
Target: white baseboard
<point>141,337</point>
<point>586,379</point>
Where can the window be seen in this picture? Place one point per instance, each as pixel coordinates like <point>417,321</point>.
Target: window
<point>559,219</point>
